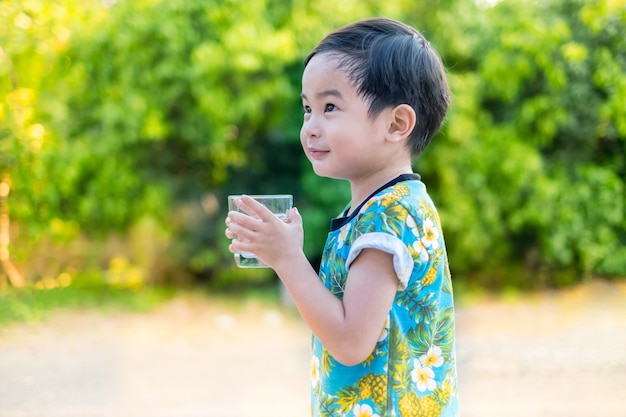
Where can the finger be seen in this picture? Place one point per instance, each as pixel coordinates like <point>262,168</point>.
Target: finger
<point>247,232</point>
<point>240,245</point>
<point>254,208</point>
<point>241,220</point>
<point>293,216</point>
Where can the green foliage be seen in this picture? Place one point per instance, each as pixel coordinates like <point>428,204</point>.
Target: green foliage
<point>135,121</point>
<point>531,169</point>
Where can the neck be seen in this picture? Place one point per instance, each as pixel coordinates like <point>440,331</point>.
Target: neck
<point>364,187</point>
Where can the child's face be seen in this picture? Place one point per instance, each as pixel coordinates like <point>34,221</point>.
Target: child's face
<point>338,136</point>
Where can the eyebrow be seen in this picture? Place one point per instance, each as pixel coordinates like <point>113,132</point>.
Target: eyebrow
<point>324,94</point>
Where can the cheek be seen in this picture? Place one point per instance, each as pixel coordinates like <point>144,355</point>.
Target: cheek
<point>302,137</point>
<point>303,141</point>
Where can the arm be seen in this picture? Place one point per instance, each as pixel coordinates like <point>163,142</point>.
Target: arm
<point>349,329</point>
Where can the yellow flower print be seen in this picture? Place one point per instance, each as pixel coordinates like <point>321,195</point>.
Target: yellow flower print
<point>315,371</point>
<point>431,235</point>
<point>424,377</point>
<point>432,358</point>
<point>417,249</point>
<point>363,410</point>
<point>343,235</point>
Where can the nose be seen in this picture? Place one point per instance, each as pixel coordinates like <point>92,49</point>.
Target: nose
<point>311,128</point>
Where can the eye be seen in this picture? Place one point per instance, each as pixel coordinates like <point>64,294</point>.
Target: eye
<point>307,109</point>
<point>330,107</point>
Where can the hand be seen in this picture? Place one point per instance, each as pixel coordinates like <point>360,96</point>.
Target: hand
<point>261,232</point>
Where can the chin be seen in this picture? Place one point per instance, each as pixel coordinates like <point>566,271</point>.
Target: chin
<point>326,174</point>
<point>320,170</point>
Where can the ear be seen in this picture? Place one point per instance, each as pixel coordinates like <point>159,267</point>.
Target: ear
<point>402,121</point>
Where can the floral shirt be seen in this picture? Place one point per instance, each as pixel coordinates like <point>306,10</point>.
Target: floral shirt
<point>412,370</point>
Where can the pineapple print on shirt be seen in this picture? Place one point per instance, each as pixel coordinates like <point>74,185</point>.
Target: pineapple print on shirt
<point>412,370</point>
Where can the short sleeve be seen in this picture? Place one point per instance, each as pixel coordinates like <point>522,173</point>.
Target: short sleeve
<point>402,260</point>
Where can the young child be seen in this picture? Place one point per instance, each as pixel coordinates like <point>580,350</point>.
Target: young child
<point>374,93</point>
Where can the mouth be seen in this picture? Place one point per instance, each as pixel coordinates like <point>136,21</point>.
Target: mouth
<point>317,153</point>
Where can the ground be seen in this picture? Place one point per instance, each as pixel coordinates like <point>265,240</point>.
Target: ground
<point>559,354</point>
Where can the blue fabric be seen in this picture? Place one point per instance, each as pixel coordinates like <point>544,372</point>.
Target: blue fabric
<point>412,370</point>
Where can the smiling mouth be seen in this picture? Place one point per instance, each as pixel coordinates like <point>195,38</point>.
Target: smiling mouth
<point>317,153</point>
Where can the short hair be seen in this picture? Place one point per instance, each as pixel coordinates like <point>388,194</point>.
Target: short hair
<point>391,63</point>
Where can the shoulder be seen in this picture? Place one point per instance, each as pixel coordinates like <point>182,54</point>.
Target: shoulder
<point>406,194</point>
<point>405,202</point>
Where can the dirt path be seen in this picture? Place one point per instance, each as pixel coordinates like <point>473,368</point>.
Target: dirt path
<point>558,355</point>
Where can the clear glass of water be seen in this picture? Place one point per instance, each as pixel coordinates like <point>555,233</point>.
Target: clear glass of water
<point>277,204</point>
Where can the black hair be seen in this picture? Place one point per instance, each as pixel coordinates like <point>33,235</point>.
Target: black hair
<point>391,63</point>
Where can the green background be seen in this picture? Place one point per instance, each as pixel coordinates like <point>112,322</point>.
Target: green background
<point>124,125</point>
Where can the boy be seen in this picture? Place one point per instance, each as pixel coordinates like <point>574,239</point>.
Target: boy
<point>374,93</point>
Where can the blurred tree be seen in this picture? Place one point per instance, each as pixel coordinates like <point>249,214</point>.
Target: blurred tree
<point>33,34</point>
<point>196,100</point>
<point>139,119</point>
<point>161,108</point>
<point>170,96</point>
<point>531,171</point>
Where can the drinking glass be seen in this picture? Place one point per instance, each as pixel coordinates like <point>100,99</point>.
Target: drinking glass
<point>277,204</point>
